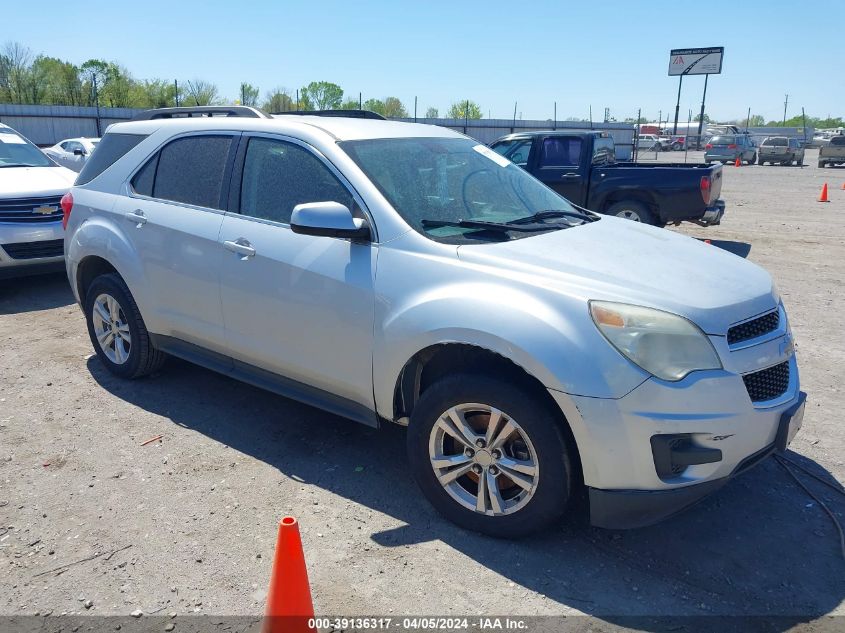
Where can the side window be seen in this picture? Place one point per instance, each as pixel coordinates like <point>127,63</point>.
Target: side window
<point>561,151</point>
<point>278,175</point>
<point>142,183</point>
<point>516,151</point>
<point>191,170</point>
<point>65,146</point>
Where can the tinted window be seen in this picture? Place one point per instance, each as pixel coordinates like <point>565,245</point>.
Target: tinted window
<point>143,181</point>
<point>277,176</point>
<point>723,140</point>
<point>560,151</point>
<point>838,140</point>
<point>111,148</point>
<point>191,170</point>
<point>777,140</point>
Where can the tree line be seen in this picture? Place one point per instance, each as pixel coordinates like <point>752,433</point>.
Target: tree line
<point>29,78</point>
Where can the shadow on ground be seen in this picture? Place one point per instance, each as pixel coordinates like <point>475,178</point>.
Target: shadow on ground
<point>756,547</point>
<point>35,293</point>
<point>741,249</point>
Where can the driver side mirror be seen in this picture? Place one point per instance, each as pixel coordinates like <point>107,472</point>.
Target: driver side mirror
<point>79,152</point>
<point>328,219</point>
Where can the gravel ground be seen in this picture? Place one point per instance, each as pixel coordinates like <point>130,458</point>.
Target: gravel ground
<point>187,524</point>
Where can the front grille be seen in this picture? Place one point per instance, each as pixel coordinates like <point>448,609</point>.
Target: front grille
<point>767,384</point>
<point>34,250</point>
<point>22,210</point>
<point>754,328</point>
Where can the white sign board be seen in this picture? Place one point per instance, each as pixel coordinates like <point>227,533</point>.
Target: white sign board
<point>696,61</point>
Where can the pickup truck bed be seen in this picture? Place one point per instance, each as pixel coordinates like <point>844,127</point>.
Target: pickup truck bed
<point>582,167</point>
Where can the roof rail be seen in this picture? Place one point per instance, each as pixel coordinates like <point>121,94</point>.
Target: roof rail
<point>200,111</point>
<point>352,114</point>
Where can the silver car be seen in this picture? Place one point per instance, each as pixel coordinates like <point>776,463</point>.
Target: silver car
<point>73,152</point>
<point>401,273</point>
<point>31,189</point>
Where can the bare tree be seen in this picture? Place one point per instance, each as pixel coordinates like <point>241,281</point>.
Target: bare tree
<point>202,92</point>
<point>15,69</point>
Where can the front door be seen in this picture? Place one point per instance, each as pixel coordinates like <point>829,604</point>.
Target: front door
<point>557,166</point>
<point>299,306</point>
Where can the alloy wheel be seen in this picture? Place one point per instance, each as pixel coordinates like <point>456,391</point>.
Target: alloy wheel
<point>111,328</point>
<point>483,459</point>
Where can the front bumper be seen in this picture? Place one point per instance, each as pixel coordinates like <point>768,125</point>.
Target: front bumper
<point>21,248</point>
<point>628,509</point>
<point>711,412</point>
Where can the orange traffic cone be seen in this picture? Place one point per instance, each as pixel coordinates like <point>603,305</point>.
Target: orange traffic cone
<point>823,196</point>
<point>289,606</point>
<point>843,186</point>
<point>738,162</point>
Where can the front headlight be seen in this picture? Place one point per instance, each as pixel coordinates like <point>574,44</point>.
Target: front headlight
<point>666,345</point>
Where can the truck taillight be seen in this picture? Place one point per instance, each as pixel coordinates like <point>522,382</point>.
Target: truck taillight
<point>708,146</point>
<point>67,207</point>
<point>732,146</point>
<point>704,185</point>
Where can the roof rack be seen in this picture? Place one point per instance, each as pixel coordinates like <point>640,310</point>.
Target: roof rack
<point>201,111</point>
<point>352,114</point>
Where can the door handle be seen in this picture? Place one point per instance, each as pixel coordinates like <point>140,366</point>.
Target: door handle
<point>137,217</point>
<point>240,246</point>
<point>570,175</point>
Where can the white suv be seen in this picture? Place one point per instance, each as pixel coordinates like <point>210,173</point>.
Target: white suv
<point>398,272</point>
<point>31,186</point>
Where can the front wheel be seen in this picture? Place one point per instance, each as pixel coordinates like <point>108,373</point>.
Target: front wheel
<point>753,159</point>
<point>490,455</point>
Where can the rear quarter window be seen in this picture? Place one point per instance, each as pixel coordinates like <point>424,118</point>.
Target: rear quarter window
<point>112,147</point>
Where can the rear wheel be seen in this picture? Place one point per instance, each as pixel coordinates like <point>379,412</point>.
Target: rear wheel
<point>760,160</point>
<point>753,159</point>
<point>490,456</point>
<point>632,210</point>
<point>821,164</point>
<point>117,330</point>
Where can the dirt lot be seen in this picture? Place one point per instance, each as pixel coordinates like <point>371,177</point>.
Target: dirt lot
<point>197,511</point>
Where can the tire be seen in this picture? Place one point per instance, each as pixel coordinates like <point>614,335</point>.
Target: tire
<point>130,358</point>
<point>632,210</point>
<point>520,511</point>
<point>677,147</point>
<point>821,165</point>
<point>760,160</point>
<point>753,159</point>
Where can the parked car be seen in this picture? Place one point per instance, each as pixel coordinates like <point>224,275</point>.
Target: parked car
<point>677,143</point>
<point>834,152</point>
<point>652,142</point>
<point>31,186</point>
<point>73,152</point>
<point>396,272</point>
<point>780,149</point>
<point>727,148</point>
<point>582,167</point>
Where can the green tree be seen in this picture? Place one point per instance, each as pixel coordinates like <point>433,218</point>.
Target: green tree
<point>464,110</point>
<point>278,100</point>
<point>349,104</point>
<point>432,113</point>
<point>62,85</point>
<point>322,95</point>
<point>697,117</point>
<point>201,93</point>
<point>393,108</point>
<point>153,93</point>
<point>374,105</point>
<point>248,94</point>
<point>756,120</point>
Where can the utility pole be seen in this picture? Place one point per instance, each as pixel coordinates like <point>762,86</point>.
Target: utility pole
<point>97,103</point>
<point>360,101</point>
<point>554,123</point>
<point>415,109</point>
<point>747,119</point>
<point>243,94</point>
<point>176,91</point>
<point>513,123</point>
<point>785,103</point>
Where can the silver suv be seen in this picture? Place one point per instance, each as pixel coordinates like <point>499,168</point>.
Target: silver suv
<point>394,272</point>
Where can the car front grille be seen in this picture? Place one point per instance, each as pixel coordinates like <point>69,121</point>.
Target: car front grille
<point>754,328</point>
<point>23,210</point>
<point>34,250</point>
<point>767,384</point>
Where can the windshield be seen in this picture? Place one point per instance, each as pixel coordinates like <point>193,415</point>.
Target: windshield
<point>434,181</point>
<point>16,151</point>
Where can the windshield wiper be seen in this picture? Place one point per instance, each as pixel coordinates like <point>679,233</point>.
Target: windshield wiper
<point>18,165</point>
<point>545,215</point>
<point>492,226</point>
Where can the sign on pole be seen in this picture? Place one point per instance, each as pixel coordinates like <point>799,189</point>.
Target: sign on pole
<point>696,61</point>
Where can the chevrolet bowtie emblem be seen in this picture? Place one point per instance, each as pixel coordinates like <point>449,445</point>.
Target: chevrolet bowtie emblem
<point>45,210</point>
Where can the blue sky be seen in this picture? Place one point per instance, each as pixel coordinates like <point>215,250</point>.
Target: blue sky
<point>606,54</point>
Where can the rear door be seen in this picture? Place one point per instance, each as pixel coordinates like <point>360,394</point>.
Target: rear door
<point>174,211</point>
<point>558,165</point>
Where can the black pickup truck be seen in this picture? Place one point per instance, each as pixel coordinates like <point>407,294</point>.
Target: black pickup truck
<point>582,167</point>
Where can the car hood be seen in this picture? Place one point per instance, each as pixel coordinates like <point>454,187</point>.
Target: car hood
<point>620,260</point>
<point>33,182</point>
